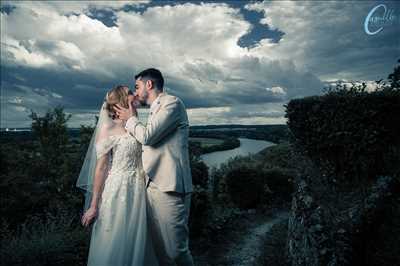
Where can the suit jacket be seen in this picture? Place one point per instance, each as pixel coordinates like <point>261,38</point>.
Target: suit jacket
<point>164,139</point>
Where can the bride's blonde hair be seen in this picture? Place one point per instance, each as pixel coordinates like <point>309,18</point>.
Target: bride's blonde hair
<point>117,95</point>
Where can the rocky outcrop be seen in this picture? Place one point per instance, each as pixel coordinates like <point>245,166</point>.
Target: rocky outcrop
<point>325,232</point>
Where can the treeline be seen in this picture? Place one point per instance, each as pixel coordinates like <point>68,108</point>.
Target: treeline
<point>273,133</point>
<point>228,143</point>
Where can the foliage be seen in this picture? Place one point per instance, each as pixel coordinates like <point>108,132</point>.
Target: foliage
<point>278,155</point>
<point>199,172</point>
<point>51,134</point>
<point>51,131</point>
<point>252,181</point>
<point>38,176</point>
<point>348,138</point>
<point>278,183</point>
<point>245,186</point>
<point>52,240</point>
<point>85,135</point>
<point>394,78</point>
<point>200,210</point>
<point>350,132</point>
<point>198,168</point>
<point>15,186</point>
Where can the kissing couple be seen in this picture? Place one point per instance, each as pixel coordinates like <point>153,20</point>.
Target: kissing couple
<point>137,178</point>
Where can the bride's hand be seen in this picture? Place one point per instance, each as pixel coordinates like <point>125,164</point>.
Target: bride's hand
<point>124,113</point>
<point>89,216</point>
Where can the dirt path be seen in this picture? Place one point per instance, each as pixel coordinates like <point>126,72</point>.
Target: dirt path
<point>244,246</point>
<point>247,251</point>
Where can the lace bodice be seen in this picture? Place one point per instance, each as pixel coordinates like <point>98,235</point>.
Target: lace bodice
<point>125,153</point>
<point>125,175</point>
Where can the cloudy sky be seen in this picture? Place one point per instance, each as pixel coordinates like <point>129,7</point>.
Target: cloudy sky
<point>232,62</point>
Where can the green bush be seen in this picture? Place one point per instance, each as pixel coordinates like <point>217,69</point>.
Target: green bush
<point>199,172</point>
<point>200,210</point>
<point>252,181</point>
<point>54,240</point>
<point>279,182</point>
<point>245,186</point>
<point>279,155</point>
<point>350,132</point>
<point>199,169</point>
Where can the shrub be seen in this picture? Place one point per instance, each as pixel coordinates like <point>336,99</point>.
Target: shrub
<point>245,186</point>
<point>279,182</point>
<point>199,172</point>
<point>200,209</point>
<point>253,180</point>
<point>279,155</point>
<point>350,132</point>
<point>54,240</point>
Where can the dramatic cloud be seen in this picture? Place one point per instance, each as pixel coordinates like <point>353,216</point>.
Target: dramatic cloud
<point>328,39</point>
<point>71,53</point>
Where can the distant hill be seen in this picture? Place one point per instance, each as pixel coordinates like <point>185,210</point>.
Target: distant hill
<point>235,126</point>
<point>274,133</point>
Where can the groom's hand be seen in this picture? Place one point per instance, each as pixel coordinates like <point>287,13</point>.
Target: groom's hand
<point>124,113</point>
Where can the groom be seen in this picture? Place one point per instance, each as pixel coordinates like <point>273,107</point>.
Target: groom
<point>165,159</point>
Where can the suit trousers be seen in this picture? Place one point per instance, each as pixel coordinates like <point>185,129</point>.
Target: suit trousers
<point>168,215</point>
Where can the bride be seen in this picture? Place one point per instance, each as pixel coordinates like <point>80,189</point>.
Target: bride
<point>114,183</point>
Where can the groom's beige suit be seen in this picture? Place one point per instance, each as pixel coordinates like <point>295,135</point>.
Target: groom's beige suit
<point>165,158</point>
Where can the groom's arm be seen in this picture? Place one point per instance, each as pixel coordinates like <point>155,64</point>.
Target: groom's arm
<point>162,123</point>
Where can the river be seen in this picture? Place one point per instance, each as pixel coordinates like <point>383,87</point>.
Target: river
<point>247,146</point>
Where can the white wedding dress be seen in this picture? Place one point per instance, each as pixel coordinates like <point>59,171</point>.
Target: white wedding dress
<point>119,234</point>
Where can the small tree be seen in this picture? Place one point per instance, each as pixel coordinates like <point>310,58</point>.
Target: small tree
<point>245,186</point>
<point>51,133</point>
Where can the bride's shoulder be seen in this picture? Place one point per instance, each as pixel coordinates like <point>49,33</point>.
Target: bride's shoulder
<point>112,138</point>
<point>105,139</point>
<point>106,143</point>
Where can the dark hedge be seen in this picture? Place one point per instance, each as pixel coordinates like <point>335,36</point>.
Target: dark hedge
<point>351,132</point>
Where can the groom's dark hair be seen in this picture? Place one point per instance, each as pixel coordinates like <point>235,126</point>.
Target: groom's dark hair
<point>153,75</point>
